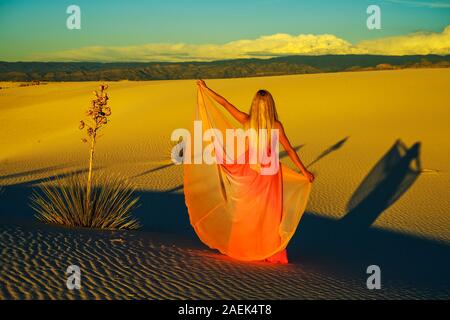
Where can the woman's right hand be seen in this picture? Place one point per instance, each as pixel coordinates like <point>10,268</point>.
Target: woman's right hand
<point>309,176</point>
<point>201,83</point>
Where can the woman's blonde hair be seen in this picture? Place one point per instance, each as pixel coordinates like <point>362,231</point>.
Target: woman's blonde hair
<point>263,114</point>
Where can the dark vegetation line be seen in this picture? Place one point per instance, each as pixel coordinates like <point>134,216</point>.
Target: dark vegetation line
<point>95,71</point>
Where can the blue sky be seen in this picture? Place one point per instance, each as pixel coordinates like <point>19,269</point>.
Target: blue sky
<point>38,27</point>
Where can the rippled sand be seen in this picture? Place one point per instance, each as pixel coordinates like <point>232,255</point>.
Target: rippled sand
<point>377,141</point>
<point>118,265</point>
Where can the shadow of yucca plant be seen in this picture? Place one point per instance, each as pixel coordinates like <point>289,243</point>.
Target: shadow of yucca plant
<point>64,201</point>
<point>75,201</point>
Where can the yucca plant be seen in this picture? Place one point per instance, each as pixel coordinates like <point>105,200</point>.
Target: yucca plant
<point>64,201</point>
<point>98,202</point>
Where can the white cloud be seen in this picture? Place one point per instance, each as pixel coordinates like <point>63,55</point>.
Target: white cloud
<point>262,47</point>
<point>415,43</point>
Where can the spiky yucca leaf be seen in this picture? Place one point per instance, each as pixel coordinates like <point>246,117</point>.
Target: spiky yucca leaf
<point>64,201</point>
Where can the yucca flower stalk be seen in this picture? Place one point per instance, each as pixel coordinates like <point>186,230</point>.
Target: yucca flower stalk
<point>98,114</point>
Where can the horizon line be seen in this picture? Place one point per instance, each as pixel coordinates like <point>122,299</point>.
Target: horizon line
<point>231,59</point>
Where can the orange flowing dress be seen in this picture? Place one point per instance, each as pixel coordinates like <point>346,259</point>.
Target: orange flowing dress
<point>235,209</point>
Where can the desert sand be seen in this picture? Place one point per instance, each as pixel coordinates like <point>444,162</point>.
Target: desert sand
<point>377,141</point>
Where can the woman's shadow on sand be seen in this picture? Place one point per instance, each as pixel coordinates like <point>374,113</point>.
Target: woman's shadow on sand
<point>352,243</point>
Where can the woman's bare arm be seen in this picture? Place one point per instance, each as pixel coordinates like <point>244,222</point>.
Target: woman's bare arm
<point>235,112</point>
<point>291,152</point>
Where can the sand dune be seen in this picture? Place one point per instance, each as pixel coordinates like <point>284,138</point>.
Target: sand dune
<point>377,141</point>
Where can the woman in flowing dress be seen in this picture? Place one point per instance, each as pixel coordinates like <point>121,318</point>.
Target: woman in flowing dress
<point>234,206</point>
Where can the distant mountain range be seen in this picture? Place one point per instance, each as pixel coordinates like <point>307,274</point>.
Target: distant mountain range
<point>95,71</point>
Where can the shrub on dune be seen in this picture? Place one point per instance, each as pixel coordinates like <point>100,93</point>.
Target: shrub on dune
<point>96,202</point>
<point>66,202</point>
